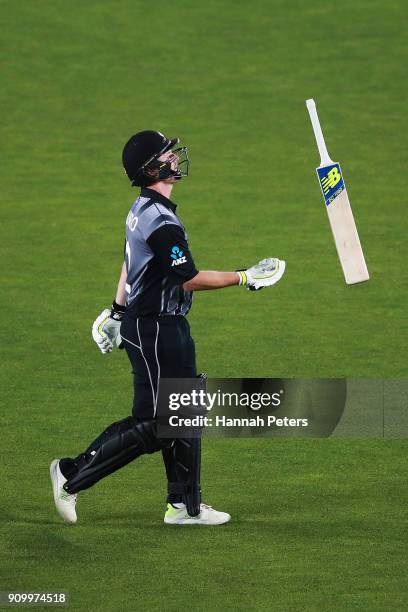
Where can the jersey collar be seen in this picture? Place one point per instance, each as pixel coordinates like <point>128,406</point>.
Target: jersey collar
<point>158,197</point>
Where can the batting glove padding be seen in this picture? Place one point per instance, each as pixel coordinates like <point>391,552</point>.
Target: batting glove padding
<point>106,329</point>
<point>264,274</point>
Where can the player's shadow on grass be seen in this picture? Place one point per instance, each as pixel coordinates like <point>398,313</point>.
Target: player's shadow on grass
<point>27,518</point>
<point>130,518</point>
<point>39,538</point>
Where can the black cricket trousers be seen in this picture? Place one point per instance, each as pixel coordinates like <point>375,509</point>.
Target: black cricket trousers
<point>157,347</point>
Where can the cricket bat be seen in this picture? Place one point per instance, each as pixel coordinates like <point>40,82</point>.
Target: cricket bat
<point>338,208</point>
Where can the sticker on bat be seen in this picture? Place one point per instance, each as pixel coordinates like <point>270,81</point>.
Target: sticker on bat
<point>331,182</point>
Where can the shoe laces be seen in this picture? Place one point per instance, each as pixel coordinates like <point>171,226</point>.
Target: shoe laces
<point>68,496</point>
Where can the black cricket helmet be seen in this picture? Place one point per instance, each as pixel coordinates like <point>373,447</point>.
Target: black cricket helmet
<point>140,158</point>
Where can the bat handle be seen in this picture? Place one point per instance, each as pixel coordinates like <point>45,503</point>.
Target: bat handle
<point>324,155</point>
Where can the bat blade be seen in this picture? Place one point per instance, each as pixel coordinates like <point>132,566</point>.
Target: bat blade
<point>342,223</point>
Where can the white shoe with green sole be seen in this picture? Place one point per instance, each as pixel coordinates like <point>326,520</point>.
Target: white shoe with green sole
<point>207,516</point>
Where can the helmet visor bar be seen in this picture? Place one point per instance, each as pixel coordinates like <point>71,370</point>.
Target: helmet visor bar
<point>170,144</point>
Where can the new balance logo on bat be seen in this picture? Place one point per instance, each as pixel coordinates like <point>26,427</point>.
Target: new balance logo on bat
<point>331,182</point>
<point>331,179</point>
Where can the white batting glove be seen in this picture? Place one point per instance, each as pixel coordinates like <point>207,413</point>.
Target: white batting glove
<point>106,329</point>
<point>264,274</point>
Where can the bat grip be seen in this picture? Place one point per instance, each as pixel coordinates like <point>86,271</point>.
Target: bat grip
<point>321,145</point>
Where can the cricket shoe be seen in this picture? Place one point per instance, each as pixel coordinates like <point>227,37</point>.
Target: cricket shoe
<point>64,502</point>
<point>207,516</point>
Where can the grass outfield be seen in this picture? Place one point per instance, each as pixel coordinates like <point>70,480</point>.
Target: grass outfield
<point>309,532</point>
<point>317,525</point>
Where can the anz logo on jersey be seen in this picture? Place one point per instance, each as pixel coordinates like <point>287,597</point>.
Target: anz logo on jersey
<point>177,256</point>
<point>131,221</point>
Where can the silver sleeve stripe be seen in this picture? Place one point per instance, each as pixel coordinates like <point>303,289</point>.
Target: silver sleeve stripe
<point>154,225</point>
<point>151,217</point>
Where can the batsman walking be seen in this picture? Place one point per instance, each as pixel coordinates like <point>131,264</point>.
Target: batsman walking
<point>148,318</point>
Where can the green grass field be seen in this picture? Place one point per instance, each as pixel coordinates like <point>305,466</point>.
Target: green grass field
<point>317,524</point>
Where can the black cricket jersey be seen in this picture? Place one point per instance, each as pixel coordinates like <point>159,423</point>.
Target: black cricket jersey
<point>158,260</point>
